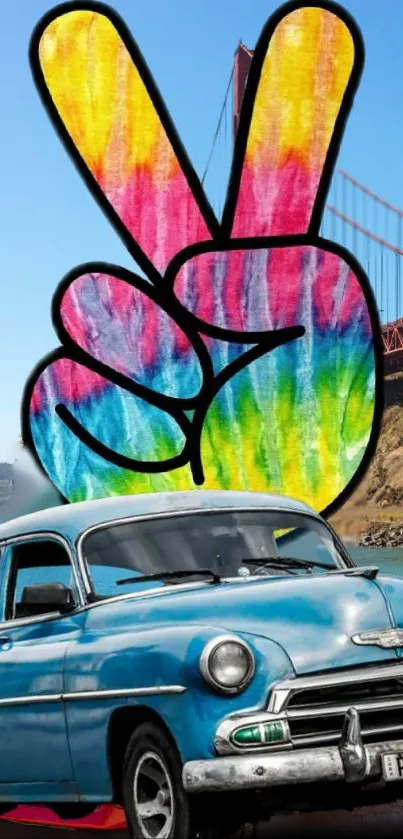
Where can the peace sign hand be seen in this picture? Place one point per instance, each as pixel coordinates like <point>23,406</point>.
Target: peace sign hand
<point>247,359</point>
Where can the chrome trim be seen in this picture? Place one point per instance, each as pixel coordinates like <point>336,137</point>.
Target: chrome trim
<point>204,663</point>
<point>302,766</point>
<point>157,690</point>
<point>308,740</point>
<point>387,639</point>
<point>16,623</point>
<point>278,700</point>
<point>191,512</point>
<point>228,726</point>
<point>350,761</point>
<point>31,700</point>
<point>284,691</point>
<point>351,748</point>
<point>39,536</point>
<point>333,710</point>
<point>278,710</point>
<point>224,745</point>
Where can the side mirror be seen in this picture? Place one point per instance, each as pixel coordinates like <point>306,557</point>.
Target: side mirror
<point>46,597</point>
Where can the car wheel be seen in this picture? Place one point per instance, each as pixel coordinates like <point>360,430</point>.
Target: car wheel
<point>155,803</point>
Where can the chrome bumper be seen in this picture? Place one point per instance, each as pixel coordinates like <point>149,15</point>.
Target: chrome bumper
<point>349,761</point>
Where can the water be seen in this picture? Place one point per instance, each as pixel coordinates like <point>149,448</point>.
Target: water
<point>389,560</point>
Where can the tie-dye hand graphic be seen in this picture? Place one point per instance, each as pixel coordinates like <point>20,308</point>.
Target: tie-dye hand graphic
<point>250,356</point>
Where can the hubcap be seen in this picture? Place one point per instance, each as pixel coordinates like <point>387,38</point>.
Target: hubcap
<point>153,797</point>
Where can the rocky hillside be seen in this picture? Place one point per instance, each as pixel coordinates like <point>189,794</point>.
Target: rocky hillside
<point>373,515</point>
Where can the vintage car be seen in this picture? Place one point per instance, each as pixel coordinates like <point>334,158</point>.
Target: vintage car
<point>201,659</point>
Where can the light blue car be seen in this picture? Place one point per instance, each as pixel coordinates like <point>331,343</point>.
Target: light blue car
<point>203,659</point>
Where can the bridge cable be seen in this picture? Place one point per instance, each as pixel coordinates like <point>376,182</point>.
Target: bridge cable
<point>217,131</point>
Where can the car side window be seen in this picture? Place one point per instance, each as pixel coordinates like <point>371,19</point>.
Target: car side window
<point>36,563</point>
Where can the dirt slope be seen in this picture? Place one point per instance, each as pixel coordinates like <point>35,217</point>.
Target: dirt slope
<point>378,501</point>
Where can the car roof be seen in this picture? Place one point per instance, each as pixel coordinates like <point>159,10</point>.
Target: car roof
<point>72,519</point>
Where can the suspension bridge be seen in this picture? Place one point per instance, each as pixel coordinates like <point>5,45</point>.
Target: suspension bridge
<point>363,222</point>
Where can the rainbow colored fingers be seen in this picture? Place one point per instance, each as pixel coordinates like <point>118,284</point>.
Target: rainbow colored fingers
<point>304,75</point>
<point>250,357</point>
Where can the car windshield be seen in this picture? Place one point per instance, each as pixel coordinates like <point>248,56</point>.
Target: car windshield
<point>228,544</point>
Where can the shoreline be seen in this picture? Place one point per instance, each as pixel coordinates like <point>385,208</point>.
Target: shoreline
<point>369,526</point>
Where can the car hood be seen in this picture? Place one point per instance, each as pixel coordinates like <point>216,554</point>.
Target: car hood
<point>313,618</point>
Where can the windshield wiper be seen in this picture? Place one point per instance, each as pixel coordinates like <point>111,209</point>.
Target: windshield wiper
<point>168,575</point>
<point>286,562</point>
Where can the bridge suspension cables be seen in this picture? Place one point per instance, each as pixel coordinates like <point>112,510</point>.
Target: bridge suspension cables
<point>363,222</point>
<point>372,229</point>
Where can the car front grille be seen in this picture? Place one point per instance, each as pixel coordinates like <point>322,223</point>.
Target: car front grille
<point>315,706</point>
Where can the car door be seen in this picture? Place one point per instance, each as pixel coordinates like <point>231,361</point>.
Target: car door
<point>34,746</point>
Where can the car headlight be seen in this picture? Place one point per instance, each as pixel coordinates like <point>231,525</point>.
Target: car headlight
<point>227,664</point>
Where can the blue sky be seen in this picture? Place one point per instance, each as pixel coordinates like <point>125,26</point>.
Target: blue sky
<point>49,222</point>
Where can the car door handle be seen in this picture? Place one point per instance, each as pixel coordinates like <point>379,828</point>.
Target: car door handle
<point>4,639</point>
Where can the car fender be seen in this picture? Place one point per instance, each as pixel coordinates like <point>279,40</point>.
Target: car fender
<point>105,672</point>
